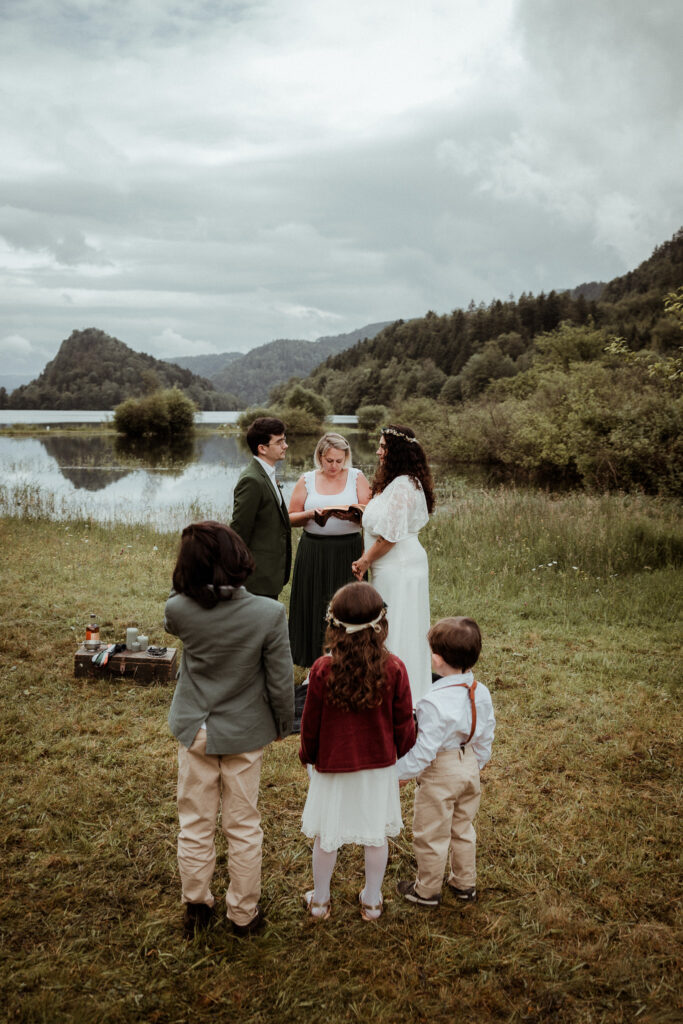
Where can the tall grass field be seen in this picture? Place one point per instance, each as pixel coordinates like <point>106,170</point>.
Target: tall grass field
<point>578,920</point>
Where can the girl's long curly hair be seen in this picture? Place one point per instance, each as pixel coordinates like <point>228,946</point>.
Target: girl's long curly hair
<point>403,458</point>
<point>356,678</point>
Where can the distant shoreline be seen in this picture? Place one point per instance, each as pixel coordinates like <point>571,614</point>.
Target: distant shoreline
<point>59,417</point>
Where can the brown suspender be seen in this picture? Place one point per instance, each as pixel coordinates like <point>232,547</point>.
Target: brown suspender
<point>470,690</point>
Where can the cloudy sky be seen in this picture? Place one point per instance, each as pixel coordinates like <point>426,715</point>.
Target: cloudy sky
<point>208,175</point>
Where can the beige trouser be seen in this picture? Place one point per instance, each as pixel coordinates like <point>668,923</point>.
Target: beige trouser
<point>446,801</point>
<point>205,782</point>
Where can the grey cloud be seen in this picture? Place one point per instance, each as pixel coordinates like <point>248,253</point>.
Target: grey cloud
<point>122,27</point>
<point>26,231</point>
<point>176,206</point>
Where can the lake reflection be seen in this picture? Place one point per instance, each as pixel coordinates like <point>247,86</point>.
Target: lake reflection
<point>98,477</point>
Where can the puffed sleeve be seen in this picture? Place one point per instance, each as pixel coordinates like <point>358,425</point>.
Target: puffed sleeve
<point>401,511</point>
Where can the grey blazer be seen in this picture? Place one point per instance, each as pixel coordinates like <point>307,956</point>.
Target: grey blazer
<point>263,524</point>
<point>235,672</point>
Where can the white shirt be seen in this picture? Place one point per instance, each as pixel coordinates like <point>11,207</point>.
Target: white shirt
<point>270,470</point>
<point>315,499</point>
<point>444,719</point>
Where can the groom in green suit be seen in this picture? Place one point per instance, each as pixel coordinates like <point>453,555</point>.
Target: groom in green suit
<point>259,513</point>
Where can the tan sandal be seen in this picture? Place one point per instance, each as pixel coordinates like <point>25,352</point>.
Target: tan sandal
<point>365,907</point>
<point>310,904</point>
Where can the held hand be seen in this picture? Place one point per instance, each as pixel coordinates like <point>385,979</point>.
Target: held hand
<point>359,568</point>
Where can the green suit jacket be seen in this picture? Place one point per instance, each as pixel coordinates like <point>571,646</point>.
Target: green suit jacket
<point>263,524</point>
<point>235,672</point>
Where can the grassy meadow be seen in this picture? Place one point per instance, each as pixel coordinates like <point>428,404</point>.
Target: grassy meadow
<point>579,601</point>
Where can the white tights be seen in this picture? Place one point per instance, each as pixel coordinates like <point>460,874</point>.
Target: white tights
<point>376,858</point>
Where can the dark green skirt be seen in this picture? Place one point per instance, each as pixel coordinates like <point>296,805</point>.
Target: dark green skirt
<point>322,566</point>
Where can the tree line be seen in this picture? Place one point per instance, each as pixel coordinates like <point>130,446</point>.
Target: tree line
<point>454,357</point>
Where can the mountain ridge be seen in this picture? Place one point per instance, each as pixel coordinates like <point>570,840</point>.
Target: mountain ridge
<point>448,357</point>
<point>252,375</point>
<point>93,370</point>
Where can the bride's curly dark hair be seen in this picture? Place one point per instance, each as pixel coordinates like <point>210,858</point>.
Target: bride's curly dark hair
<point>356,678</point>
<point>403,458</point>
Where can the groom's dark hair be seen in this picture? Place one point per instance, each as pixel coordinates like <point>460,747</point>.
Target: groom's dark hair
<point>261,431</point>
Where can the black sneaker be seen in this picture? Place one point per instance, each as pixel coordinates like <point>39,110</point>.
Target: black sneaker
<point>464,895</point>
<point>255,925</point>
<point>197,917</point>
<point>407,891</point>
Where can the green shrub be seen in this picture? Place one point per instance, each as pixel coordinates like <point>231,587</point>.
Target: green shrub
<point>254,412</point>
<point>300,422</point>
<point>427,418</point>
<point>370,417</point>
<point>299,397</point>
<point>451,392</point>
<point>483,367</point>
<point>180,411</point>
<point>163,414</point>
<point>614,422</point>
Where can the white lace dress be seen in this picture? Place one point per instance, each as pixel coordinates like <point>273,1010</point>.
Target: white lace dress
<point>402,575</point>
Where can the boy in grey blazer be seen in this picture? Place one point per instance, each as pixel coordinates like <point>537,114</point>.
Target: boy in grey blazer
<point>260,515</point>
<point>234,695</point>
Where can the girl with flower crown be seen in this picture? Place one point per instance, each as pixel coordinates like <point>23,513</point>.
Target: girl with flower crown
<point>357,721</point>
<point>402,500</point>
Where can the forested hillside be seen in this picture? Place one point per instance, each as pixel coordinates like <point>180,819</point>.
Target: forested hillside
<point>206,365</point>
<point>558,388</point>
<point>95,371</point>
<point>455,357</point>
<point>252,376</point>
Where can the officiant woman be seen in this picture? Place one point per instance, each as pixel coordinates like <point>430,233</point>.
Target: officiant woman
<point>325,553</point>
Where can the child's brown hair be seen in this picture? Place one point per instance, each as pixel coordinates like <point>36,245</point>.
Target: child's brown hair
<point>356,634</point>
<point>457,640</point>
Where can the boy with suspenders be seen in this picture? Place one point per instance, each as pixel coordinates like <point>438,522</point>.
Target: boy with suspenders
<point>455,732</point>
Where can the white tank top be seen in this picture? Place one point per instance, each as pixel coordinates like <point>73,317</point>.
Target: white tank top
<point>349,496</point>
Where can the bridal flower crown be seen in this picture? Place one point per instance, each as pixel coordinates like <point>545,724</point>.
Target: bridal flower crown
<point>356,627</point>
<point>399,433</point>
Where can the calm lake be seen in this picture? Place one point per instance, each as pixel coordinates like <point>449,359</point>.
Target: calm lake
<point>77,474</point>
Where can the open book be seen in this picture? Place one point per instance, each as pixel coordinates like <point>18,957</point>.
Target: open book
<point>352,513</point>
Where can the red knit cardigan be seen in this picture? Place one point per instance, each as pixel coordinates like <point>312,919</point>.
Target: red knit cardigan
<point>350,741</point>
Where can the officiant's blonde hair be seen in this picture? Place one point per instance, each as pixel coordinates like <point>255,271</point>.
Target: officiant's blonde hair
<point>331,440</point>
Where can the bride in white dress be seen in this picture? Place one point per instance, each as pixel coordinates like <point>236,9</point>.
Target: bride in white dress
<point>402,498</point>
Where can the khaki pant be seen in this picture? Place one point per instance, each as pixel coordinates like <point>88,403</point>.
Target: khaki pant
<point>205,782</point>
<point>446,801</point>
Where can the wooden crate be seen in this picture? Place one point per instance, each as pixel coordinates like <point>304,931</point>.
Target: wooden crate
<point>136,666</point>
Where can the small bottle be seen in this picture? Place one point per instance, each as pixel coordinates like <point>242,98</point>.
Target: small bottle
<point>92,632</point>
